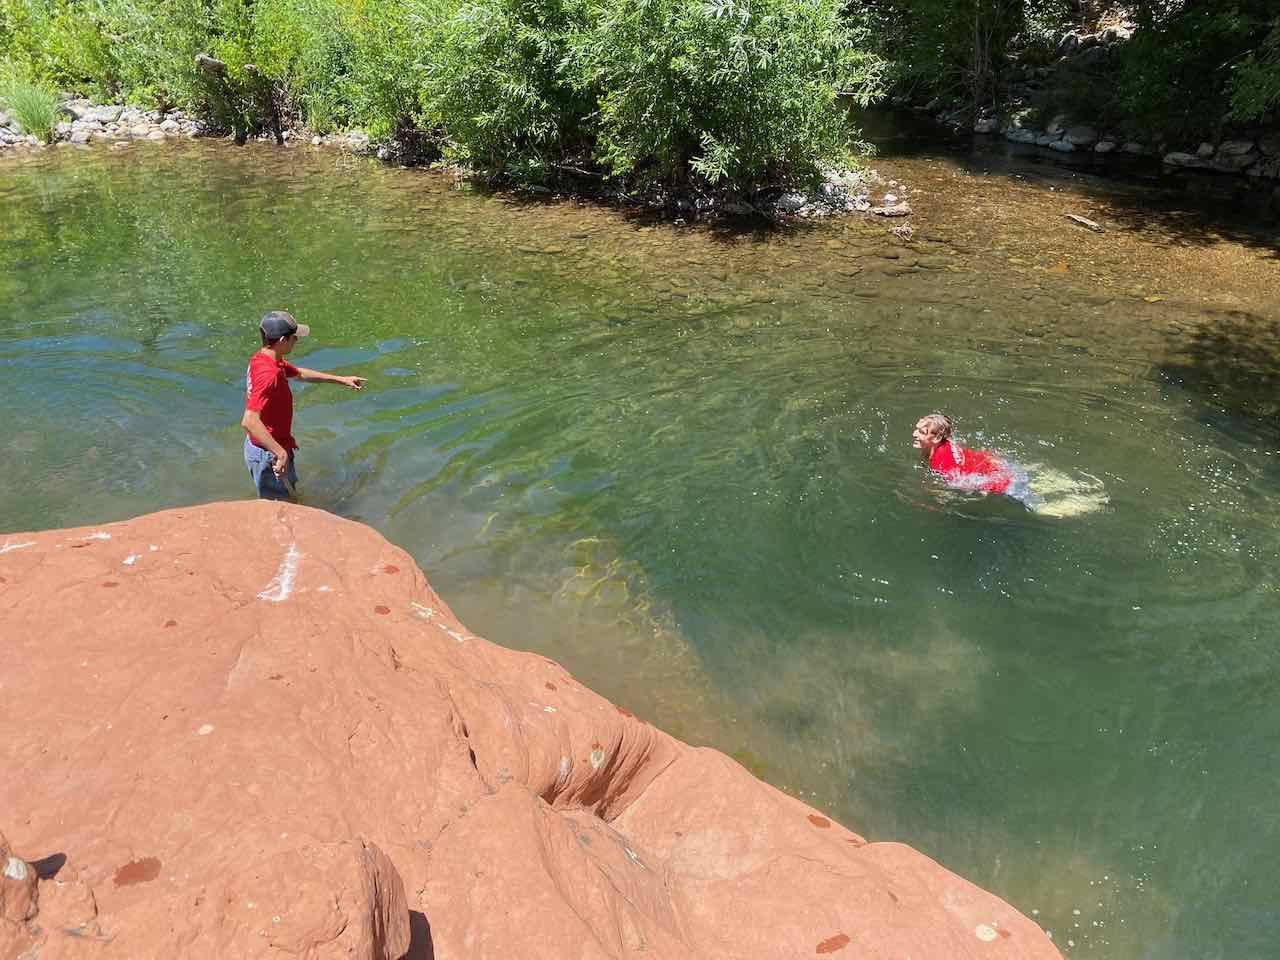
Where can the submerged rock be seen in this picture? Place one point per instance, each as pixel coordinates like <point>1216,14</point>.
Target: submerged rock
<point>304,753</point>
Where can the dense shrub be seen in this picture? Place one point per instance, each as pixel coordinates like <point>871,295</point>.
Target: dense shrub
<point>501,81</point>
<point>1255,85</point>
<point>1191,66</point>
<point>958,48</point>
<point>1178,71</point>
<point>740,93</point>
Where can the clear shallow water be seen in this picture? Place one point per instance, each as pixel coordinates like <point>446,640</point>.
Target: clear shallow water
<point>678,461</point>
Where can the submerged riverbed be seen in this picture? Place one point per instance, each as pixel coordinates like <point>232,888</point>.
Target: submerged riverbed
<point>678,461</point>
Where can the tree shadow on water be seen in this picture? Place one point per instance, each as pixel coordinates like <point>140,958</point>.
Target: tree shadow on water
<point>1231,363</point>
<point>1136,194</point>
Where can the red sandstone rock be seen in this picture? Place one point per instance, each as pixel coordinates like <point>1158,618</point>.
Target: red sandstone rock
<point>243,725</point>
<point>18,891</point>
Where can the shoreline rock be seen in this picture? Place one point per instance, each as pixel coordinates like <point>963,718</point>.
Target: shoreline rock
<point>302,750</point>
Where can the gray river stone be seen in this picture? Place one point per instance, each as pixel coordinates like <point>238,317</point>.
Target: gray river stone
<point>1021,135</point>
<point>171,126</point>
<point>1191,161</point>
<point>791,202</point>
<point>1234,148</point>
<point>1233,162</point>
<point>107,114</point>
<point>1063,146</point>
<point>1105,146</point>
<point>1081,136</point>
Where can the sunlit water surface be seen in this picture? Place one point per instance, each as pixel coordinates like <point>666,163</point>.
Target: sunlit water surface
<point>678,461</point>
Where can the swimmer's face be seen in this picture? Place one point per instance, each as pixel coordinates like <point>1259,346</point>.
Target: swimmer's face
<point>923,438</point>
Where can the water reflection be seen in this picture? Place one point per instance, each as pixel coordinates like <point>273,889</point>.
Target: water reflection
<point>678,461</point>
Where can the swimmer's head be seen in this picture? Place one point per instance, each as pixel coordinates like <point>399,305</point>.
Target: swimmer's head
<point>930,431</point>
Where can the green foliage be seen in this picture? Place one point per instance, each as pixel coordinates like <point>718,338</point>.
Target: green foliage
<point>1255,86</point>
<point>32,102</point>
<point>955,48</point>
<point>742,92</point>
<point>732,93</point>
<point>500,81</point>
<point>390,40</point>
<point>1177,72</point>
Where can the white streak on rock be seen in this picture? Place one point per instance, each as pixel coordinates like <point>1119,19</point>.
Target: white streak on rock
<point>16,546</point>
<point>153,548</point>
<point>281,584</point>
<point>130,560</point>
<point>205,730</point>
<point>100,535</point>
<point>453,633</point>
<point>15,869</point>
<point>422,610</point>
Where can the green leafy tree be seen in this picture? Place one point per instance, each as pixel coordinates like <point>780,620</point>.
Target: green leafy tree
<point>739,92</point>
<point>499,81</point>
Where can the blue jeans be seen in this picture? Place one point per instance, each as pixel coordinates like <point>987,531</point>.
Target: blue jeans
<point>259,462</point>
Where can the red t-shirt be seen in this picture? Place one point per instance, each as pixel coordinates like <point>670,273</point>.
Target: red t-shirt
<point>267,393</point>
<point>973,469</point>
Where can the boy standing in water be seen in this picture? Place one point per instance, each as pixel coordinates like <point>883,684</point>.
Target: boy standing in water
<point>968,469</point>
<point>269,447</point>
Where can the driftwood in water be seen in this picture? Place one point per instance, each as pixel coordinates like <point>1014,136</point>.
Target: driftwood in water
<point>1086,222</point>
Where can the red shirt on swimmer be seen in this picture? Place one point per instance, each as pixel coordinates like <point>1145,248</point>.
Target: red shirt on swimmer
<point>969,469</point>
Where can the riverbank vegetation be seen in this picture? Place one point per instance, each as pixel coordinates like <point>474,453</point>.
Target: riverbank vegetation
<point>1181,69</point>
<point>692,93</point>
<point>681,96</point>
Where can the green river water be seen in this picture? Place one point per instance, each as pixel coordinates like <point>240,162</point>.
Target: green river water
<point>678,461</point>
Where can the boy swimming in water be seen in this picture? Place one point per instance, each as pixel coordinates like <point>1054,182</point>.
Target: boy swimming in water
<point>1049,492</point>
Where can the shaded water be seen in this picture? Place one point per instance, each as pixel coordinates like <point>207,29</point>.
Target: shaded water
<point>679,462</point>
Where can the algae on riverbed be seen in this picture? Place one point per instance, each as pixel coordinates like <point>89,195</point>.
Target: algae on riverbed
<point>707,431</point>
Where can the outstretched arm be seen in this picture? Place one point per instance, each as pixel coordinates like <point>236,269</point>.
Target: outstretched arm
<point>315,376</point>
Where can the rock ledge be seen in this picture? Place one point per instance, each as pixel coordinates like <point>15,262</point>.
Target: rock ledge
<point>253,730</point>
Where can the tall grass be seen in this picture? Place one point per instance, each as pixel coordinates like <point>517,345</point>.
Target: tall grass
<point>32,103</point>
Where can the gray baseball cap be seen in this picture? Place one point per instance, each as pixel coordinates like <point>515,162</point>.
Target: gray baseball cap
<point>278,323</point>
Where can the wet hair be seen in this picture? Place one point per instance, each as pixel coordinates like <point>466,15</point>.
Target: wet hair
<point>939,424</point>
